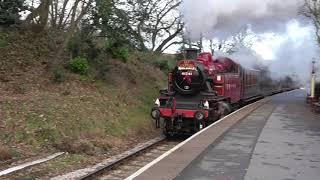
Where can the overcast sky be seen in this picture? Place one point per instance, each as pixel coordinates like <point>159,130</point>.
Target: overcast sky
<point>270,43</point>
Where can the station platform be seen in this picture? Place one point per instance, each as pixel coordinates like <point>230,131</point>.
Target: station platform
<point>278,140</point>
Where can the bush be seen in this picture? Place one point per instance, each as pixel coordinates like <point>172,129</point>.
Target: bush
<point>59,75</point>
<point>4,153</point>
<point>75,46</point>
<point>163,65</point>
<point>121,53</point>
<point>179,56</point>
<point>3,43</point>
<point>79,65</point>
<point>117,50</point>
<point>83,44</point>
<point>9,11</point>
<point>164,62</point>
<point>102,69</point>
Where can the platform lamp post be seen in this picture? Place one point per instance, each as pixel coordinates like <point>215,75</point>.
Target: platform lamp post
<point>313,81</point>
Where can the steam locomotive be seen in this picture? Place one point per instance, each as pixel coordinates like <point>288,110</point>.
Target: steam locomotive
<point>201,90</point>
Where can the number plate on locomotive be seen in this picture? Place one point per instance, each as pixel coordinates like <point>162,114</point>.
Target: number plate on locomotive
<point>187,65</point>
<point>186,73</point>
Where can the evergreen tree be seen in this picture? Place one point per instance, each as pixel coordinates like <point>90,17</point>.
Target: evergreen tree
<point>9,11</point>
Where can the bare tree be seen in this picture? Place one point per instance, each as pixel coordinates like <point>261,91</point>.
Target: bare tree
<point>60,14</point>
<point>65,14</point>
<point>243,39</point>
<point>311,10</point>
<point>39,14</point>
<point>71,22</point>
<point>154,24</point>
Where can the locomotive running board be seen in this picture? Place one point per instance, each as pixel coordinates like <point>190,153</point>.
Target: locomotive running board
<point>217,98</point>
<point>253,98</point>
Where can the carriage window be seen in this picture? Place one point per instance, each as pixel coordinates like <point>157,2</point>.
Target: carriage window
<point>246,78</point>
<point>256,78</point>
<point>251,78</point>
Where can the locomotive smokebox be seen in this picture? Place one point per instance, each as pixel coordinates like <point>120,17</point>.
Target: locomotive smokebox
<point>192,53</point>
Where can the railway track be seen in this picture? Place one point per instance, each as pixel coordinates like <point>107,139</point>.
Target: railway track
<point>127,165</point>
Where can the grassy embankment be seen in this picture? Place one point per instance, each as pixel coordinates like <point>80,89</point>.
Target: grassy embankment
<point>82,114</point>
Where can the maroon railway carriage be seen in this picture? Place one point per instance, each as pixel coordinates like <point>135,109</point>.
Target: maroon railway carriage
<point>201,90</point>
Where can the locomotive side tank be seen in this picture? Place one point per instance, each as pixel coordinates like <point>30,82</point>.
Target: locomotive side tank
<point>201,90</point>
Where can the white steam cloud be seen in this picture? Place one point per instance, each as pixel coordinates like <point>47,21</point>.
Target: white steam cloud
<point>293,51</point>
<point>223,18</point>
<point>295,54</point>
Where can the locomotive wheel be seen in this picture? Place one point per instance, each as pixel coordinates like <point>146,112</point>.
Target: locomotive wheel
<point>166,128</point>
<point>224,109</point>
<point>212,117</point>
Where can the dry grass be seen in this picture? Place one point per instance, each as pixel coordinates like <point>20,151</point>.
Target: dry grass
<point>5,153</point>
<point>80,115</point>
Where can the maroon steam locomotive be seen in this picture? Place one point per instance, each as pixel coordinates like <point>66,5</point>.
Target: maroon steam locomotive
<point>201,90</point>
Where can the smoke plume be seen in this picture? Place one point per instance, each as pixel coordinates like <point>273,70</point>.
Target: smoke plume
<point>293,54</point>
<point>223,18</point>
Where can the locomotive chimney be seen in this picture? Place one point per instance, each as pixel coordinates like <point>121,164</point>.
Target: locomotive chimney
<point>192,53</point>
